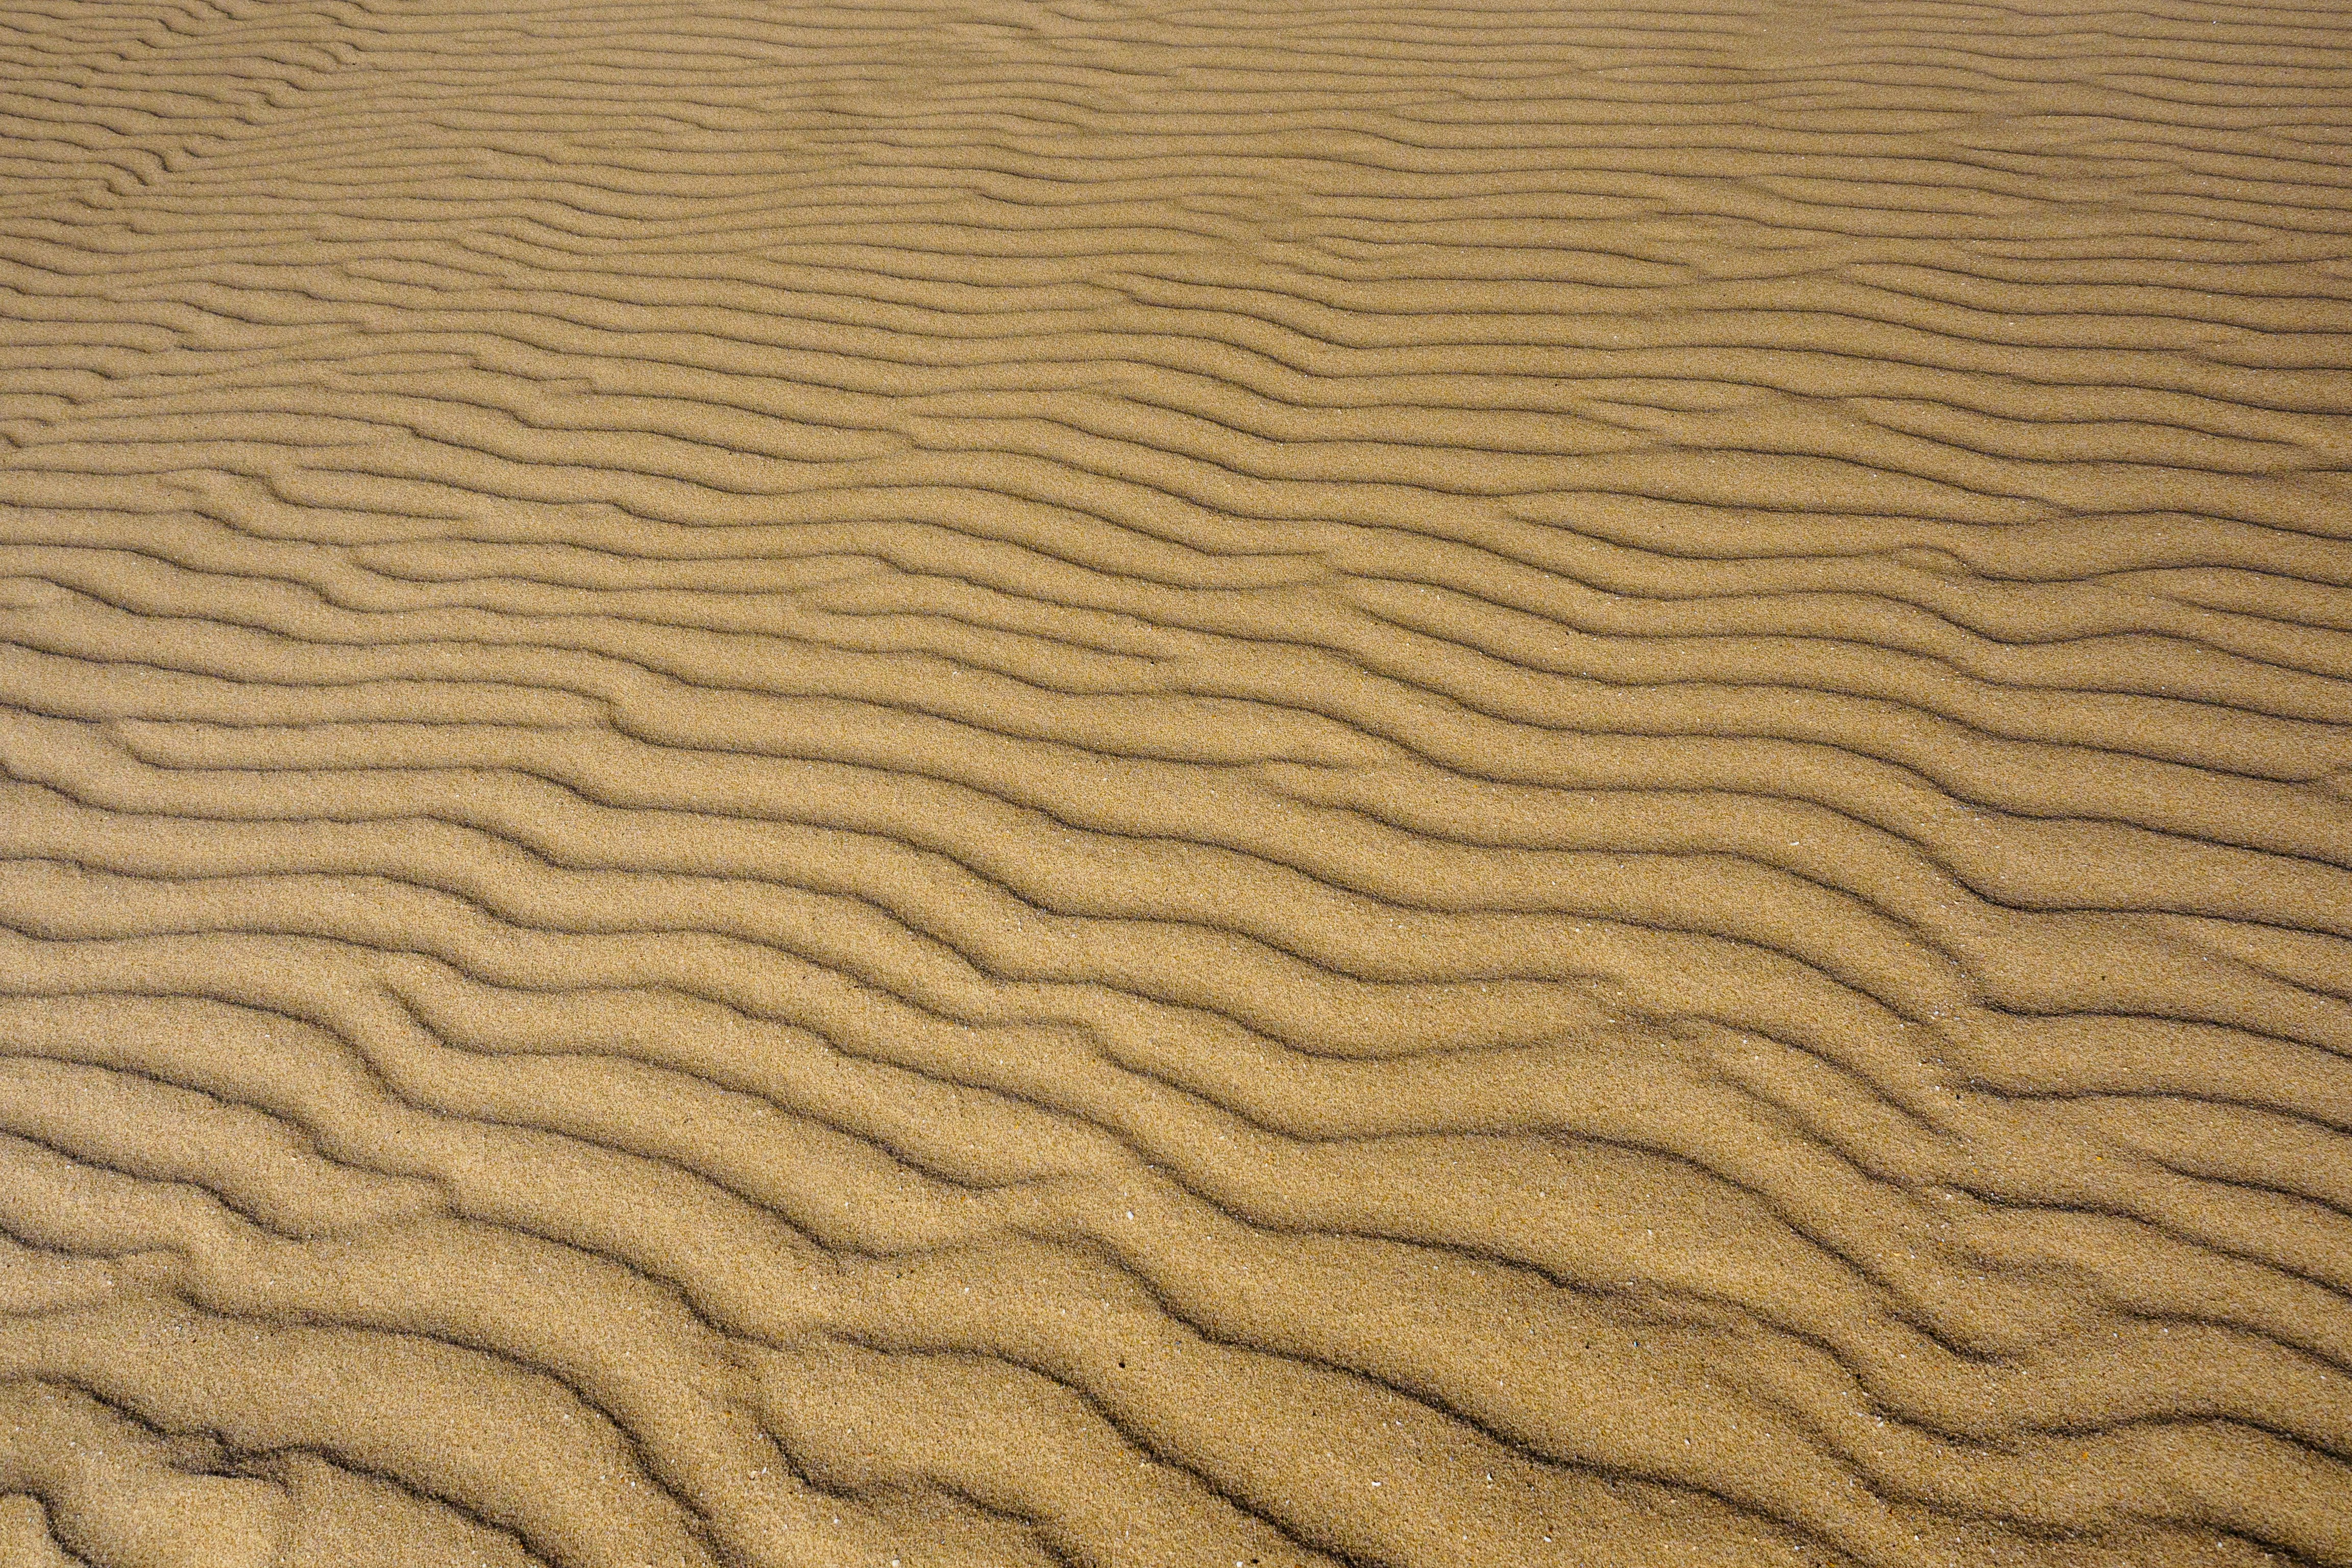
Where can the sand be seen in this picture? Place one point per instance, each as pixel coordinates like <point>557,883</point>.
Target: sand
<point>1102,784</point>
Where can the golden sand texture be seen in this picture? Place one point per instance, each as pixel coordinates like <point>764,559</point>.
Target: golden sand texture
<point>1139,785</point>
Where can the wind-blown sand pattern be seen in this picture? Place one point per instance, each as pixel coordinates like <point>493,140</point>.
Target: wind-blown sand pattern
<point>1137,785</point>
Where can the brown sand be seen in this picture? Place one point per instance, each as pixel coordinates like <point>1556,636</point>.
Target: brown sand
<point>1021,782</point>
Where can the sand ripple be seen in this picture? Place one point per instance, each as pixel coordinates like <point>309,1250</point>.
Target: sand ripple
<point>1052,782</point>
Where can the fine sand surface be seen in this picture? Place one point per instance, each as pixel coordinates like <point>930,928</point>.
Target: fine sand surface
<point>1114,783</point>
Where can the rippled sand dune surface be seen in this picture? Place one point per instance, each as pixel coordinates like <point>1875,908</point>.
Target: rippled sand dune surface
<point>1138,784</point>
